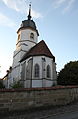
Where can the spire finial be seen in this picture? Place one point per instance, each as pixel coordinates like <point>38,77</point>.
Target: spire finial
<point>29,15</point>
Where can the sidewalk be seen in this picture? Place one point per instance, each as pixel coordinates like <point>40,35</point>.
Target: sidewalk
<point>40,113</point>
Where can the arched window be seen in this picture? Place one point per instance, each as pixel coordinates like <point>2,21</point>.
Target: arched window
<point>36,70</point>
<point>27,72</point>
<point>32,36</point>
<point>48,71</point>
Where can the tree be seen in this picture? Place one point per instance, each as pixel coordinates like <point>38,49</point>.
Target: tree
<point>69,74</point>
<point>1,85</point>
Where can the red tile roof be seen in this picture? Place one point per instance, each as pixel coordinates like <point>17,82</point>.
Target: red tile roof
<point>39,49</point>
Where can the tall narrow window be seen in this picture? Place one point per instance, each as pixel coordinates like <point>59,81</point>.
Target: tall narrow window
<point>32,36</point>
<point>48,72</point>
<point>36,70</point>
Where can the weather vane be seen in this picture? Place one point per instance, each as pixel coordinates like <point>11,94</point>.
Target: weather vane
<point>29,15</point>
<point>29,3</point>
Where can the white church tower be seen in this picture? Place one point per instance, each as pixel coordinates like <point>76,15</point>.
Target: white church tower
<point>27,38</point>
<point>33,63</point>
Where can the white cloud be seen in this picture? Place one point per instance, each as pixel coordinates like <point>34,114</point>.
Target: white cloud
<point>20,6</point>
<point>36,14</point>
<point>66,4</point>
<point>68,7</point>
<point>58,3</point>
<point>5,21</point>
<point>14,4</point>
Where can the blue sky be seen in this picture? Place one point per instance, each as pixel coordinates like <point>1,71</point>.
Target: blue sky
<point>57,23</point>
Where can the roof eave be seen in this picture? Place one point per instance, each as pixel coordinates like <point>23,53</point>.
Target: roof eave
<point>22,28</point>
<point>38,55</point>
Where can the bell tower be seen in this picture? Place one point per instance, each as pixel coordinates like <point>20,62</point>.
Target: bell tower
<point>27,33</point>
<point>27,37</point>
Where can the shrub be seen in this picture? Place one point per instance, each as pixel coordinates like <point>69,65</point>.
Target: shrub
<point>1,85</point>
<point>17,85</point>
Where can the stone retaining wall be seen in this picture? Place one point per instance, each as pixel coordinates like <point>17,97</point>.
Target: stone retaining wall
<point>21,99</point>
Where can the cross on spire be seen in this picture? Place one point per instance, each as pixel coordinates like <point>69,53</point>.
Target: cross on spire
<point>29,15</point>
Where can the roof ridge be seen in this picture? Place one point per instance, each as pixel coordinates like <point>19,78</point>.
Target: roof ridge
<point>38,50</point>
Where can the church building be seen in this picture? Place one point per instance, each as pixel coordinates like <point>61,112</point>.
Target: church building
<point>33,63</point>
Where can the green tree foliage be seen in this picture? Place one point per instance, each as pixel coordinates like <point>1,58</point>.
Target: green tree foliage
<point>69,74</point>
<point>1,85</point>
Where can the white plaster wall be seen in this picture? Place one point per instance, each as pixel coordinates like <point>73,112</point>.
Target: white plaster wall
<point>25,35</point>
<point>25,45</point>
<point>26,63</point>
<point>21,48</point>
<point>16,73</point>
<point>17,58</point>
<point>39,82</point>
<point>49,61</point>
<point>54,74</point>
<point>36,83</point>
<point>37,60</point>
<point>48,83</point>
<point>10,82</point>
<point>29,45</point>
<point>16,68</point>
<point>27,84</point>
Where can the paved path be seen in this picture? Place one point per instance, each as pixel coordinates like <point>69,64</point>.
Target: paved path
<point>64,112</point>
<point>66,115</point>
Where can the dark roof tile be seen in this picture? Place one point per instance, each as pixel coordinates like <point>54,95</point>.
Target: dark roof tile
<point>38,50</point>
